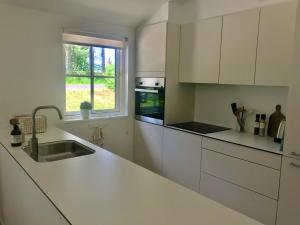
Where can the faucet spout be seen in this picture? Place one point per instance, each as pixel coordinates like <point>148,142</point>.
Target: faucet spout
<point>34,141</point>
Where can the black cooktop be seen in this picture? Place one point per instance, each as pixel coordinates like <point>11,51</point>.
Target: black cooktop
<point>200,128</point>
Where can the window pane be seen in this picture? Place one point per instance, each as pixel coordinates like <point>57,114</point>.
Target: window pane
<point>104,61</point>
<point>104,94</point>
<point>77,59</point>
<point>78,89</point>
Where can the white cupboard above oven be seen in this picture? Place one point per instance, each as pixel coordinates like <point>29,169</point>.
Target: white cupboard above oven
<point>151,46</point>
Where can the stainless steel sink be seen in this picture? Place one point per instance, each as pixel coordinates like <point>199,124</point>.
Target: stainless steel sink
<point>55,151</point>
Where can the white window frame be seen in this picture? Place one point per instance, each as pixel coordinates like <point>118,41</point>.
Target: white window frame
<point>119,73</point>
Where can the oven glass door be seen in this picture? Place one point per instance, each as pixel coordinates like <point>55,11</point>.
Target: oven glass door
<point>150,102</point>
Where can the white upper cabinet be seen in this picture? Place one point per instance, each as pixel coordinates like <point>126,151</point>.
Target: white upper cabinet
<point>289,195</point>
<point>200,51</point>
<point>151,47</point>
<point>238,51</point>
<point>275,44</point>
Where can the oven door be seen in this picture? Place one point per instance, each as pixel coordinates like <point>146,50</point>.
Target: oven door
<point>150,104</point>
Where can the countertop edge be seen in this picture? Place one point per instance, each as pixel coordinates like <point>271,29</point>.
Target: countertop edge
<point>211,135</point>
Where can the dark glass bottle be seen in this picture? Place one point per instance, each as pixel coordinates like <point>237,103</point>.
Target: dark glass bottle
<point>16,136</point>
<point>256,124</point>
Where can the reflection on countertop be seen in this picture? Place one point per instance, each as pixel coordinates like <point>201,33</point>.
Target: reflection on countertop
<point>229,135</point>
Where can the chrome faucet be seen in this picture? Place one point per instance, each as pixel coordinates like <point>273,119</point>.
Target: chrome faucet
<point>33,143</point>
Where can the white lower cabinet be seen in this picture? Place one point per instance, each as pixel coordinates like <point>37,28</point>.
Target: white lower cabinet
<point>21,201</point>
<point>242,178</point>
<point>182,157</point>
<point>250,203</point>
<point>148,145</point>
<point>289,195</point>
<point>261,179</point>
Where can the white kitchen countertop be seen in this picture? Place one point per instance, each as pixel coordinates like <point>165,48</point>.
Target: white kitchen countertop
<point>245,139</point>
<point>104,189</point>
<point>248,140</point>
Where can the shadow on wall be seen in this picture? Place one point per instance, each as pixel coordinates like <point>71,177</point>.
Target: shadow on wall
<point>117,133</point>
<point>213,103</point>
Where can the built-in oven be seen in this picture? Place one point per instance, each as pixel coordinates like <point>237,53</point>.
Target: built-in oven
<point>150,100</point>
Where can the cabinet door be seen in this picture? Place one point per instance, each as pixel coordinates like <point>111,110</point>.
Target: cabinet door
<point>181,158</point>
<point>289,195</point>
<point>275,44</point>
<point>21,201</point>
<point>200,51</point>
<point>238,51</point>
<point>148,145</point>
<point>291,142</point>
<point>151,49</point>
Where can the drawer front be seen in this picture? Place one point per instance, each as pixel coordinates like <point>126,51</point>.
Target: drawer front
<point>254,205</point>
<point>261,179</point>
<point>238,151</point>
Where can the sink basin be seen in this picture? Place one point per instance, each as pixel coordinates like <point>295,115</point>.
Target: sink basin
<point>55,151</point>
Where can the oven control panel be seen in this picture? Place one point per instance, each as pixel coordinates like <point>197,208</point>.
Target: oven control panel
<point>150,82</point>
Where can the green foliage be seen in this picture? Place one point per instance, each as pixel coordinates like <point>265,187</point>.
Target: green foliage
<point>86,105</point>
<point>77,59</point>
<point>110,70</point>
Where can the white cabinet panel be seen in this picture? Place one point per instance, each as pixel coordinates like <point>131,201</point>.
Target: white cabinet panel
<point>291,142</point>
<point>289,196</point>
<point>249,175</point>
<point>276,44</point>
<point>181,158</point>
<point>200,51</point>
<point>21,201</point>
<point>148,145</point>
<point>238,51</point>
<point>242,152</point>
<point>242,200</point>
<point>151,49</point>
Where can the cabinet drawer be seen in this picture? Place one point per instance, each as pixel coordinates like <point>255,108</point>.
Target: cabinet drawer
<point>242,152</point>
<point>261,179</point>
<point>242,200</point>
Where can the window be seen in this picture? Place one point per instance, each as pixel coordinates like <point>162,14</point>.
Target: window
<point>92,74</point>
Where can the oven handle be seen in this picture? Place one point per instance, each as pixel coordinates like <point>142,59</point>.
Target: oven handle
<point>146,90</point>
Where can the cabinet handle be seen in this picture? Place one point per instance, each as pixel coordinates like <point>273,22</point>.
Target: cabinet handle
<point>295,154</point>
<point>295,165</point>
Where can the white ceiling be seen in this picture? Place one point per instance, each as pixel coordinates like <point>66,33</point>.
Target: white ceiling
<point>122,12</point>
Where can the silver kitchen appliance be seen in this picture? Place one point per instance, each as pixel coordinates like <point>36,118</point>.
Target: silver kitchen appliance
<point>150,100</point>
<point>280,132</point>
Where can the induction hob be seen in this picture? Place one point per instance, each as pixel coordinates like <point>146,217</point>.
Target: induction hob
<point>200,128</point>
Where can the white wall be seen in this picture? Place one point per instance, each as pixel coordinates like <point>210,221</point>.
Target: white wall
<point>213,102</point>
<point>32,74</point>
<point>161,15</point>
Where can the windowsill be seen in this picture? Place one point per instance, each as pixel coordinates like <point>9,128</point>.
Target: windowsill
<point>93,117</point>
